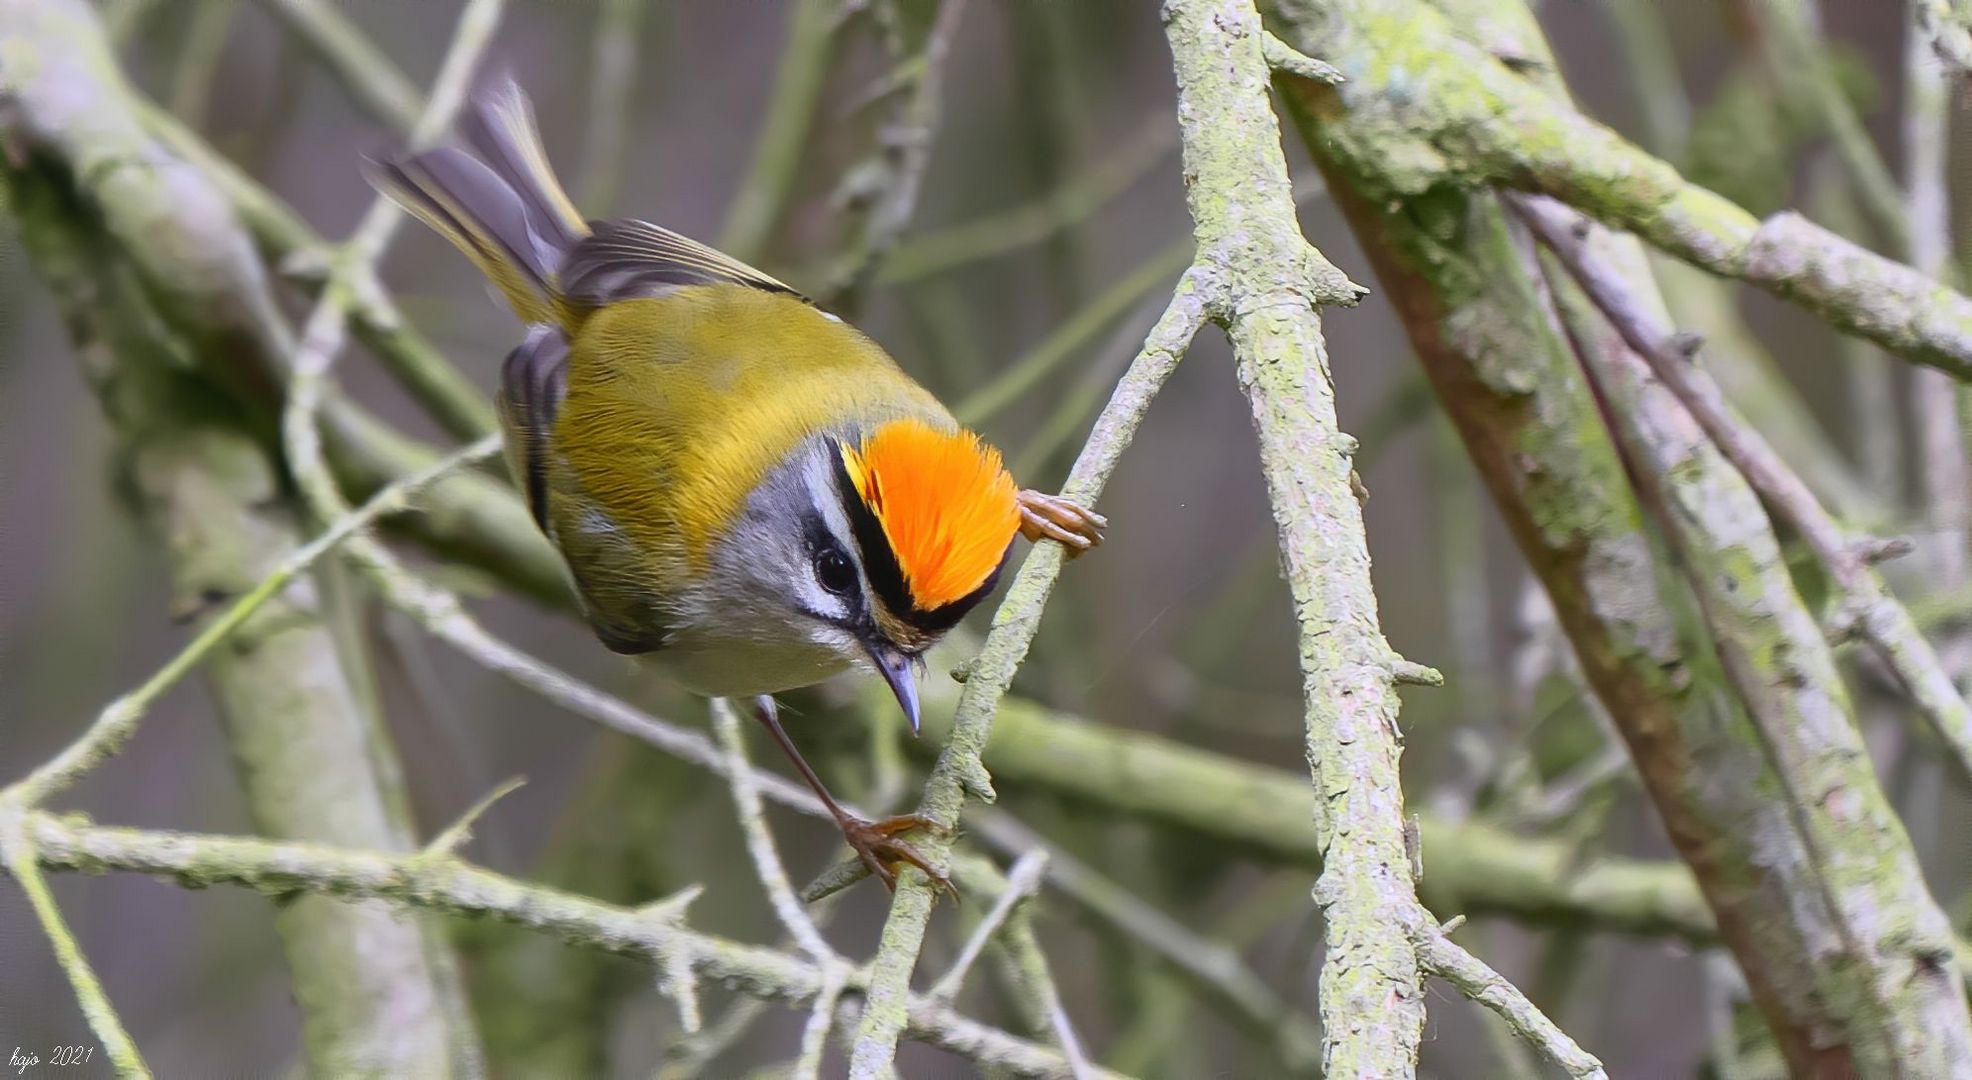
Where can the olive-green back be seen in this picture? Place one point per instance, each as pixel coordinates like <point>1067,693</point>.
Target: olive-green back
<point>677,406</point>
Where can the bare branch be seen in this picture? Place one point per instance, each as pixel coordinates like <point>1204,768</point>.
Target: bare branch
<point>118,721</point>
<point>760,843</point>
<point>777,149</point>
<point>1867,604</point>
<point>372,79</point>
<point>18,853</point>
<point>1444,958</point>
<point>1462,117</point>
<point>895,174</point>
<point>1022,881</point>
<point>451,885</point>
<point>959,770</point>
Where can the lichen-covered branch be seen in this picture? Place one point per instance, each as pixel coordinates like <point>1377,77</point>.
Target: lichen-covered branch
<point>1262,812</point>
<point>1866,607</point>
<point>1443,957</point>
<point>1440,111</point>
<point>141,254</point>
<point>1832,831</point>
<point>1477,315</point>
<point>376,83</point>
<point>1372,1002</point>
<point>958,771</point>
<point>448,884</point>
<point>18,855</point>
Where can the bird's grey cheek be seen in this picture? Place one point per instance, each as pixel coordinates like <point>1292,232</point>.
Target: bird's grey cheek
<point>836,640</point>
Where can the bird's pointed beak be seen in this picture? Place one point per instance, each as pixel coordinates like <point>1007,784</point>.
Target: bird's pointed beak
<point>896,670</point>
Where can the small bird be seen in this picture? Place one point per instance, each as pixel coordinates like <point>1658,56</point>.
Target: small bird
<point>745,489</point>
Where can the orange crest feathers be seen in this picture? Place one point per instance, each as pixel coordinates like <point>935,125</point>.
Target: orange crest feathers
<point>946,503</point>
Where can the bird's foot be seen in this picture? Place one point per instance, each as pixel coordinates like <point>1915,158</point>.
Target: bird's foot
<point>881,849</point>
<point>1054,517</point>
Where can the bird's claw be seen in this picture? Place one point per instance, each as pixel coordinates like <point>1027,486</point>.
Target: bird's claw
<point>878,843</point>
<point>1053,517</point>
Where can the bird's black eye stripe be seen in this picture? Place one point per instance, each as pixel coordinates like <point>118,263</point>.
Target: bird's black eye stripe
<point>879,560</point>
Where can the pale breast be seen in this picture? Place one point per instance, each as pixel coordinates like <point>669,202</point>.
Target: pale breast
<point>717,665</point>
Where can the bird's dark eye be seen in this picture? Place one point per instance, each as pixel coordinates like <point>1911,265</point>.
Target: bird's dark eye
<point>832,569</point>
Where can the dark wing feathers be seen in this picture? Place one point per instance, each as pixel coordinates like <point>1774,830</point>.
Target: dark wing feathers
<point>500,129</point>
<point>533,381</point>
<point>626,258</point>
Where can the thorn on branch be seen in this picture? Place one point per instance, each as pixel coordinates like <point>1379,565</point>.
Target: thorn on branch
<point>1022,882</point>
<point>1412,673</point>
<point>1687,343</point>
<point>447,843</point>
<point>1875,550</point>
<point>1286,58</point>
<point>835,878</point>
<point>974,778</point>
<point>672,908</point>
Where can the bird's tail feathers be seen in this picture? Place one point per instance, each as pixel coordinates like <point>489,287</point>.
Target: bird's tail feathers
<point>495,198</point>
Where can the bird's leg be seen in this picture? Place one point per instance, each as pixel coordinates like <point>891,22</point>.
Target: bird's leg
<point>876,841</point>
<point>1054,517</point>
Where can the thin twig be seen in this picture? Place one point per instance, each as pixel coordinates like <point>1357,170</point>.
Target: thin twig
<point>452,399</point>
<point>760,842</point>
<point>1444,958</point>
<point>903,156</point>
<point>351,271</point>
<point>1023,879</point>
<point>776,162</point>
<point>958,770</point>
<point>454,886</point>
<point>21,859</point>
<point>118,721</point>
<point>1212,970</point>
<point>690,1057</point>
<point>1867,608</point>
<point>454,836</point>
<point>993,235</point>
<point>1287,59</point>
<point>821,1020</point>
<point>375,81</point>
<point>1068,340</point>
<point>612,80</point>
<point>1026,966</point>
